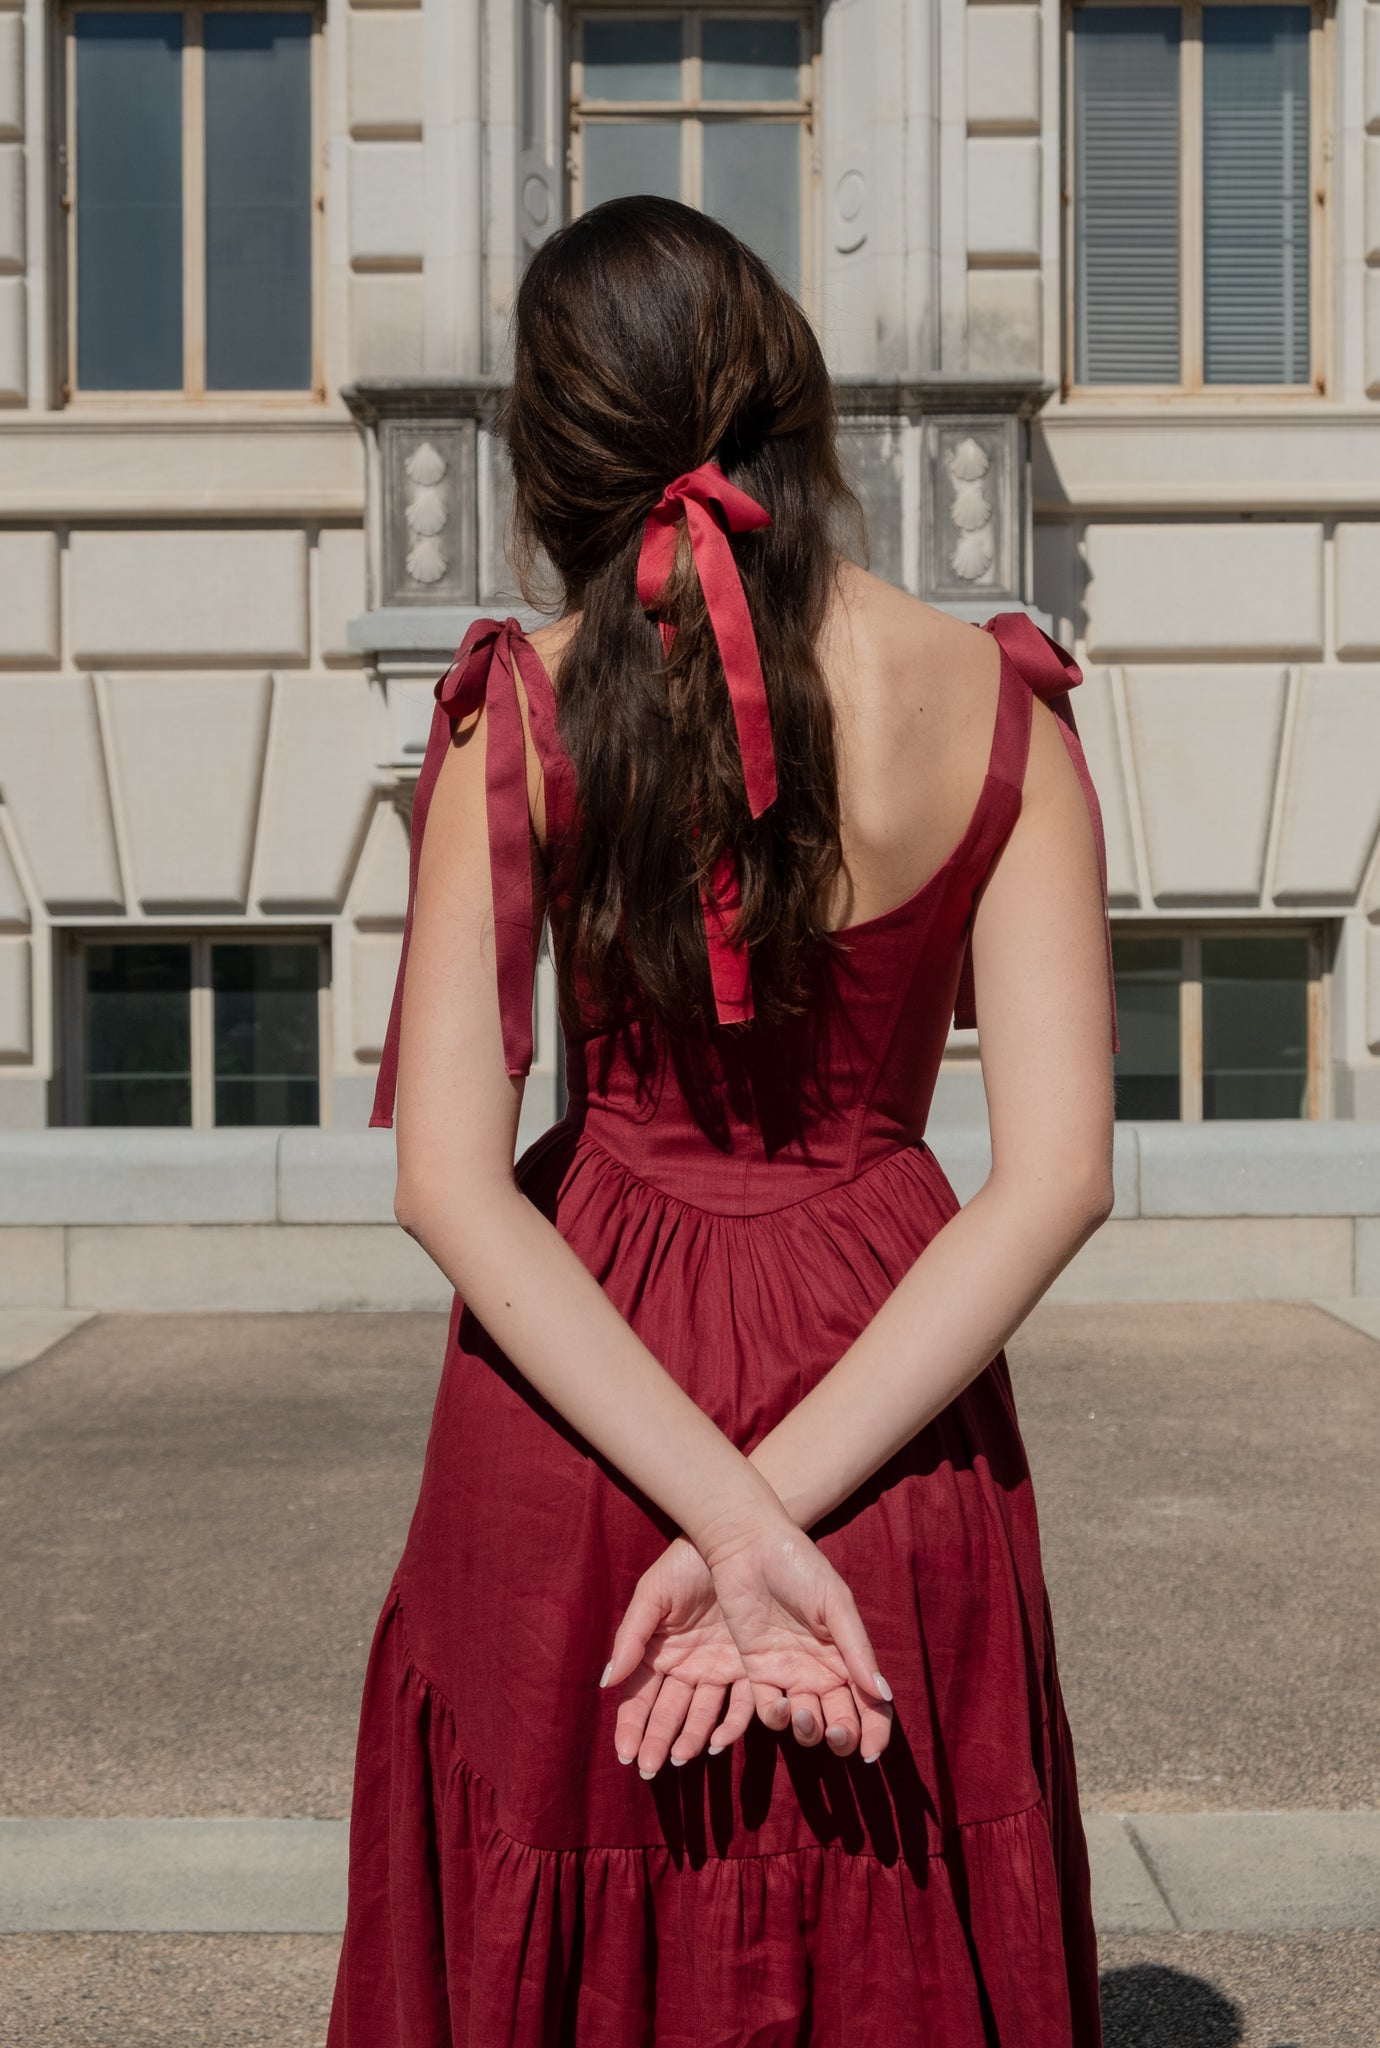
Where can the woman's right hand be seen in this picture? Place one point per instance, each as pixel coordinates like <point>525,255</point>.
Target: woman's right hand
<point>801,1639</point>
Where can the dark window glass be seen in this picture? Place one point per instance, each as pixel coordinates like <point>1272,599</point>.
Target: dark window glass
<point>623,157</point>
<point>137,1056</point>
<point>1255,195</point>
<point>129,201</point>
<point>1126,195</point>
<point>632,59</point>
<point>750,60</point>
<point>1148,972</point>
<point>267,1053</point>
<point>1255,1026</point>
<point>752,184</point>
<point>258,201</point>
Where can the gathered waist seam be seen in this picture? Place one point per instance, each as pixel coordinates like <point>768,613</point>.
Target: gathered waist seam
<point>583,1136</point>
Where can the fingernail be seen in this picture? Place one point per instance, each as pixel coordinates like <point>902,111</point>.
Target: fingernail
<point>679,1760</point>
<point>837,1736</point>
<point>625,1759</point>
<point>647,1774</point>
<point>882,1687</point>
<point>805,1723</point>
<point>608,1672</point>
<point>713,1751</point>
<point>873,1758</point>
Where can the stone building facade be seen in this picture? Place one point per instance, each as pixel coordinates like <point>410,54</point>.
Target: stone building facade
<point>255,269</point>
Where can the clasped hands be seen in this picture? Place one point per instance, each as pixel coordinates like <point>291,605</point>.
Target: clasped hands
<point>756,1612</point>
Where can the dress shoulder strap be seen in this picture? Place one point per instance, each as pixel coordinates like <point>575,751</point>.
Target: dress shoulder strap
<point>1046,670</point>
<point>485,671</point>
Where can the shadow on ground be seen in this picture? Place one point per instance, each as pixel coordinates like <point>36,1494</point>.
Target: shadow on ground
<point>1151,2006</point>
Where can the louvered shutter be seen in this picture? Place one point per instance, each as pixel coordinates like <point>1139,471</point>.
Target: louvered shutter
<point>1126,195</point>
<point>1255,195</point>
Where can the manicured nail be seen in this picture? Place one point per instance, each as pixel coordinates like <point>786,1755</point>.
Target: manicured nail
<point>805,1723</point>
<point>882,1687</point>
<point>836,1736</point>
<point>647,1774</point>
<point>608,1672</point>
<point>716,1751</point>
<point>873,1758</point>
<point>625,1759</point>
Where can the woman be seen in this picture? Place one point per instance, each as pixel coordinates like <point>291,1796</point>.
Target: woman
<point>714,1699</point>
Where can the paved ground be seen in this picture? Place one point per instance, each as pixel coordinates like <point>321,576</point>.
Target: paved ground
<point>185,1991</point>
<point>202,1514</point>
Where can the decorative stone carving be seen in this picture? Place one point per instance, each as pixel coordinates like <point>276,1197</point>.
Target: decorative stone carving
<point>970,509</point>
<point>425,513</point>
<point>974,508</point>
<point>850,210</point>
<point>428,509</point>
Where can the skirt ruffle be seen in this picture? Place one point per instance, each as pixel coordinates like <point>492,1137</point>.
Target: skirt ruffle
<point>460,1936</point>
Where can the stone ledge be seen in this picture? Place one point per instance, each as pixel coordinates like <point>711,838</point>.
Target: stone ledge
<point>217,1268</point>
<point>1259,1169</point>
<point>1213,1172</point>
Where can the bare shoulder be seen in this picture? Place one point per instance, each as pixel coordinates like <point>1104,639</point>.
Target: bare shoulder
<point>927,666</point>
<point>551,641</point>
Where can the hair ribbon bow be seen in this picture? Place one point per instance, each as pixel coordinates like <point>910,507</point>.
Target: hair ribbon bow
<point>712,509</point>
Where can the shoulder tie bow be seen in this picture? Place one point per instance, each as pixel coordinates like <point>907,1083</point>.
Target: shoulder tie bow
<point>484,672</point>
<point>712,508</point>
<point>1050,672</point>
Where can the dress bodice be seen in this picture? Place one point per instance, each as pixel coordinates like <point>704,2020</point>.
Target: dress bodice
<point>747,1123</point>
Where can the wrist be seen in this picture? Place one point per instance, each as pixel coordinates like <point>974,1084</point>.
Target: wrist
<point>742,1526</point>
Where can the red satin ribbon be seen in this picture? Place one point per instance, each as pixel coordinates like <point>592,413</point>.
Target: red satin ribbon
<point>697,497</point>
<point>466,684</point>
<point>1051,672</point>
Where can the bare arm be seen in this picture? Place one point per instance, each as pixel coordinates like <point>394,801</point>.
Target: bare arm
<point>457,1119</point>
<point>1040,978</point>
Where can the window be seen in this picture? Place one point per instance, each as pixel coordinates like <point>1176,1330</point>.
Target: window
<point>196,1031</point>
<point>191,200</point>
<point>1218,1024</point>
<point>1196,184</point>
<point>709,106</point>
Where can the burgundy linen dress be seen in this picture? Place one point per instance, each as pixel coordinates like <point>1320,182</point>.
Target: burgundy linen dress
<point>511,1885</point>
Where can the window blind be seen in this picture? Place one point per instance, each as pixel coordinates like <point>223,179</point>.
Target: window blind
<point>1126,195</point>
<point>1255,195</point>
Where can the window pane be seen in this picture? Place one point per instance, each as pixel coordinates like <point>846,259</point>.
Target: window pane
<point>623,157</point>
<point>129,201</point>
<point>1126,195</point>
<point>267,1053</point>
<point>1147,1001</point>
<point>1255,1026</point>
<point>751,60</point>
<point>752,184</point>
<point>1255,195</point>
<point>258,202</point>
<point>137,1049</point>
<point>632,60</point>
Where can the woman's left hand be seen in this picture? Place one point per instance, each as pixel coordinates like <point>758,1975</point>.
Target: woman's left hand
<point>676,1658</point>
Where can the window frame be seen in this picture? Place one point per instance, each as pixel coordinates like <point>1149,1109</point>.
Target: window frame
<point>1190,935</point>
<point>1191,382</point>
<point>691,110</point>
<point>193,391</point>
<point>201,997</point>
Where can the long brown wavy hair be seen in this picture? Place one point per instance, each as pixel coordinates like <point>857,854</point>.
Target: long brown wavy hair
<point>648,340</point>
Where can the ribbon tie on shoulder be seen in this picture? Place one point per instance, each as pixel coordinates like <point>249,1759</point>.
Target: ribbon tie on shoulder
<point>1051,672</point>
<point>712,509</point>
<point>484,672</point>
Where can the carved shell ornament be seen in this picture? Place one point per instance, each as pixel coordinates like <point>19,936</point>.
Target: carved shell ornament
<point>970,509</point>
<point>426,513</point>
